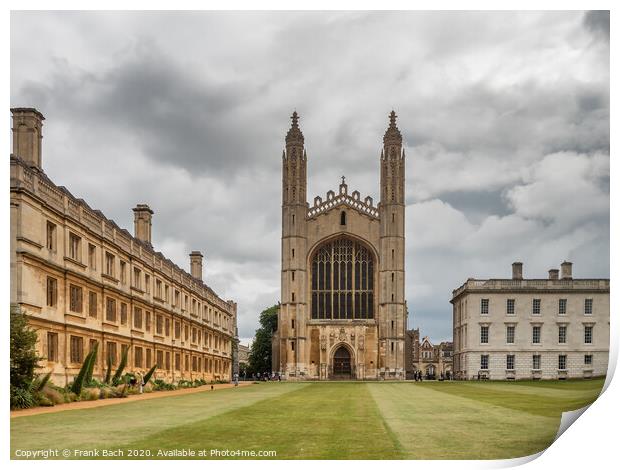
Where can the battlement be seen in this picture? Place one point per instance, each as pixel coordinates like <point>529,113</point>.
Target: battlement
<point>352,200</point>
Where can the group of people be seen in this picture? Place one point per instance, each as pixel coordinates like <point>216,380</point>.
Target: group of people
<point>267,377</point>
<point>418,376</point>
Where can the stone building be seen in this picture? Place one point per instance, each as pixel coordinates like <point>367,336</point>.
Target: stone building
<point>342,312</point>
<point>518,328</point>
<point>432,360</point>
<point>244,354</point>
<point>81,280</point>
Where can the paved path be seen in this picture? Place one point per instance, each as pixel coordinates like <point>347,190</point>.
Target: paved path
<point>80,405</point>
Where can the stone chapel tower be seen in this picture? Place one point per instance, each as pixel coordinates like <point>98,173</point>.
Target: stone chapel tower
<point>294,247</point>
<point>393,321</point>
<point>342,311</point>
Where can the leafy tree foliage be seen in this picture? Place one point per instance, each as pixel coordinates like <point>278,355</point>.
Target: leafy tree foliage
<point>23,361</point>
<point>260,352</point>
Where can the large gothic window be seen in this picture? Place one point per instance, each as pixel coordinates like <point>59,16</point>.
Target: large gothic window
<point>342,281</point>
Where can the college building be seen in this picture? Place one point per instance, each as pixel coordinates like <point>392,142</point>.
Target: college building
<point>422,356</point>
<point>83,280</point>
<point>554,328</point>
<point>342,312</point>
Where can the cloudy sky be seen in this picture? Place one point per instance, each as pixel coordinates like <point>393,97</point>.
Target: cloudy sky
<point>505,118</point>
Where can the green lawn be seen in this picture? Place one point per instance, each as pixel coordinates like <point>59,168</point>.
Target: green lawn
<point>346,420</point>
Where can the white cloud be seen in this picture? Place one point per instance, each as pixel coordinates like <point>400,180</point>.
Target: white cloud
<point>564,186</point>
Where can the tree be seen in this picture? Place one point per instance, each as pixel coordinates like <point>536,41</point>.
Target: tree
<point>23,361</point>
<point>24,358</point>
<point>260,352</point>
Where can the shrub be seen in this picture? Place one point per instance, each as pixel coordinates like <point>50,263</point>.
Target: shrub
<point>185,383</point>
<point>91,365</point>
<point>159,384</point>
<point>149,374</point>
<point>53,395</point>
<point>90,394</point>
<point>78,382</point>
<point>108,392</point>
<point>44,401</point>
<point>108,374</point>
<point>121,390</point>
<point>40,382</point>
<point>22,398</point>
<point>121,366</point>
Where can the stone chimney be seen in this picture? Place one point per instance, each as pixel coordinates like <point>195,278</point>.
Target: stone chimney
<point>517,270</point>
<point>567,270</point>
<point>554,274</point>
<point>195,264</point>
<point>27,135</point>
<point>142,216</point>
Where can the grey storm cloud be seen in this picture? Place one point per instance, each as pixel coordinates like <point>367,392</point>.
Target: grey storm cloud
<point>597,21</point>
<point>505,117</point>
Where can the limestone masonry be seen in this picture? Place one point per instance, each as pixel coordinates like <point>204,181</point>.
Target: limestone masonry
<point>83,280</point>
<point>343,311</point>
<point>518,328</point>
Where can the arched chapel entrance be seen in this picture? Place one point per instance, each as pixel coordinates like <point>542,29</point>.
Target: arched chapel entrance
<point>342,363</point>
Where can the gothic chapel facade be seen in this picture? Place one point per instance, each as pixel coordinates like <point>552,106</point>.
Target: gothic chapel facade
<point>343,311</point>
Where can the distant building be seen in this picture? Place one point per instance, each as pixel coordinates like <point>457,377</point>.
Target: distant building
<point>244,354</point>
<point>554,328</point>
<point>432,360</point>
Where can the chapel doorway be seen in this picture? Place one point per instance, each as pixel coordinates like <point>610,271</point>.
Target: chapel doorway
<point>342,363</point>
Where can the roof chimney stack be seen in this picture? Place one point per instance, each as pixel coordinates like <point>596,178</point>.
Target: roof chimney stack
<point>195,264</point>
<point>142,216</point>
<point>27,135</point>
<point>517,270</point>
<point>567,270</point>
<point>554,274</point>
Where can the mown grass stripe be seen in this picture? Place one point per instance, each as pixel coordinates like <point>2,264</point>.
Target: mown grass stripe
<point>435,425</point>
<point>320,421</point>
<point>116,425</point>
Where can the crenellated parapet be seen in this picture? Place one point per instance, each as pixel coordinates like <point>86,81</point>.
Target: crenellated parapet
<point>352,200</point>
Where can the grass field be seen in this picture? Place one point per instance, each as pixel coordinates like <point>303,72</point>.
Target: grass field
<point>346,420</point>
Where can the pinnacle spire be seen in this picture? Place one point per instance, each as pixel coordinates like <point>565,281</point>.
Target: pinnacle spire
<point>294,135</point>
<point>392,134</point>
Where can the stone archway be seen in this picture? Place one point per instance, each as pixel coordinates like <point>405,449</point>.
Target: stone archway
<point>342,362</point>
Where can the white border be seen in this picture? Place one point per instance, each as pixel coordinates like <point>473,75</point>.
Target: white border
<point>591,443</point>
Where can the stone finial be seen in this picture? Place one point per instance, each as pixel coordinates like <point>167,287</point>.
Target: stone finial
<point>392,134</point>
<point>343,186</point>
<point>294,135</point>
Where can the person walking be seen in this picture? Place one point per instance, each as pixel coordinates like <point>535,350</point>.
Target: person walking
<point>140,381</point>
